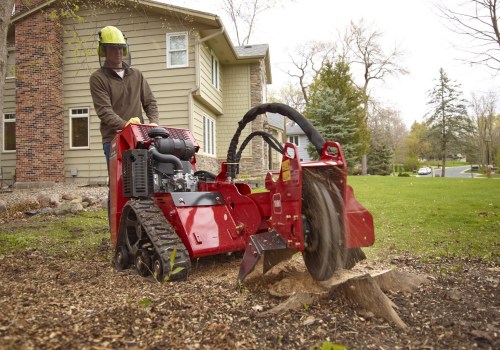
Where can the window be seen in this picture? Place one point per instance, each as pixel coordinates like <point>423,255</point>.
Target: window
<point>79,128</point>
<point>9,132</point>
<point>177,50</point>
<point>208,135</point>
<point>215,72</point>
<point>11,64</point>
<point>294,139</point>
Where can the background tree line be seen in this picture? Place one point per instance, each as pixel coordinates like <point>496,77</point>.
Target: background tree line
<point>453,128</point>
<point>322,86</point>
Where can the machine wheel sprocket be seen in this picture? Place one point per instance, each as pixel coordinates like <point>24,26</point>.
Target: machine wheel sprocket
<point>323,211</point>
<point>122,259</point>
<point>150,238</point>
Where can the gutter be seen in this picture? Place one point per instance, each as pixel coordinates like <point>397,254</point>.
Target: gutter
<point>30,11</point>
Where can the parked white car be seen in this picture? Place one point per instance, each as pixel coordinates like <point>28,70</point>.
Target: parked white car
<point>424,171</point>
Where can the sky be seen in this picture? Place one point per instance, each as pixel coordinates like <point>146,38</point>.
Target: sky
<point>413,25</point>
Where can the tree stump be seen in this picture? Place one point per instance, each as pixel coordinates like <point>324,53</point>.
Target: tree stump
<point>358,286</point>
<point>365,292</point>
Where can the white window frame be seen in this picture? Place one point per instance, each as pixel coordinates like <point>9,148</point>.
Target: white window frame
<point>169,51</point>
<point>79,112</point>
<point>215,72</point>
<point>7,118</point>
<point>209,147</point>
<point>293,138</point>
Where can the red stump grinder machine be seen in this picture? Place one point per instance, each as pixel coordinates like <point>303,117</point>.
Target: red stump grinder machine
<point>165,212</point>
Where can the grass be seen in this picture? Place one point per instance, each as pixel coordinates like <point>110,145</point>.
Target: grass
<point>69,235</point>
<point>426,217</point>
<point>433,217</point>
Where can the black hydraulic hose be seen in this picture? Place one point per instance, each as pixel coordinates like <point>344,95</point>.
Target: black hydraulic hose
<point>166,158</point>
<point>270,139</point>
<point>312,134</point>
<point>204,174</point>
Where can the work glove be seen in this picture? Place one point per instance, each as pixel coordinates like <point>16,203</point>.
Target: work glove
<point>134,120</point>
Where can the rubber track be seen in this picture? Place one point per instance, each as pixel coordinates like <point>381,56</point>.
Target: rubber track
<point>162,236</point>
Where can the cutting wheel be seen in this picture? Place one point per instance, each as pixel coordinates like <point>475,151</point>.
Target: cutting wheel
<point>323,211</point>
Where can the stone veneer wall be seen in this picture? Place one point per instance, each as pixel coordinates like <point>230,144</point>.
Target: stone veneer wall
<point>39,98</point>
<point>206,163</point>
<point>256,165</point>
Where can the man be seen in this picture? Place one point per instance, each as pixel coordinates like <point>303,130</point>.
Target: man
<point>119,92</point>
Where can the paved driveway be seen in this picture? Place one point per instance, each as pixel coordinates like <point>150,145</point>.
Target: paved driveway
<point>458,171</point>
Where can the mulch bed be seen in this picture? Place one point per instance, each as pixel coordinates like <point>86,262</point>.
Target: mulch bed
<point>50,302</point>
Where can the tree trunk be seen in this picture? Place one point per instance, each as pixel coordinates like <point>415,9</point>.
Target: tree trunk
<point>6,7</point>
<point>443,165</point>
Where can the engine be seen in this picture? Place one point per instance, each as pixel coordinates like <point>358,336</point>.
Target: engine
<point>165,183</point>
<point>161,166</point>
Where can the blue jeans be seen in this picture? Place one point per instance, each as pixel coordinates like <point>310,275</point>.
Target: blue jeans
<point>107,148</point>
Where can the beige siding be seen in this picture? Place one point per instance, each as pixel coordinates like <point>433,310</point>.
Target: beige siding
<point>7,159</point>
<point>275,155</point>
<point>208,92</point>
<point>198,112</point>
<point>9,96</point>
<point>236,103</point>
<point>146,35</point>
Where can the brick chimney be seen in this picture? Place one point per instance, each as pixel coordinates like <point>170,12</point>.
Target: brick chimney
<point>39,97</point>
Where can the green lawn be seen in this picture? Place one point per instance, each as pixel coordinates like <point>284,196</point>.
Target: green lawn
<point>69,235</point>
<point>432,217</point>
<point>427,217</point>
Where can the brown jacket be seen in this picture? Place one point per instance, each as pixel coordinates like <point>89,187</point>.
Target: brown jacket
<point>116,100</point>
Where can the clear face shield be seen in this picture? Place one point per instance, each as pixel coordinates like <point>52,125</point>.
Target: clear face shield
<point>112,55</point>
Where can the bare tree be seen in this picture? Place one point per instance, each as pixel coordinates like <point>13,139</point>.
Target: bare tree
<point>243,15</point>
<point>289,94</point>
<point>478,21</point>
<point>307,60</point>
<point>362,47</point>
<point>387,129</point>
<point>416,145</point>
<point>483,108</point>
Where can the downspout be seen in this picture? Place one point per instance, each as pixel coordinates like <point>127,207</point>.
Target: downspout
<point>196,88</point>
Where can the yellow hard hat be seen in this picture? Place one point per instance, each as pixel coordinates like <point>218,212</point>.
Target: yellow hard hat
<point>111,36</point>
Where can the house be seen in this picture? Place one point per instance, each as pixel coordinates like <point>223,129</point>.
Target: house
<point>296,135</point>
<point>49,129</point>
<point>276,127</point>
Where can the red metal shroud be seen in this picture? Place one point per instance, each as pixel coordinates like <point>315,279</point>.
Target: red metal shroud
<point>286,199</point>
<point>359,230</point>
<point>207,229</point>
<point>226,224</point>
<point>131,137</point>
<point>281,208</point>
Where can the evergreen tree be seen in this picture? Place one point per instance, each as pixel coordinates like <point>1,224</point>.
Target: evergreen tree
<point>334,108</point>
<point>448,120</point>
<point>379,160</point>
